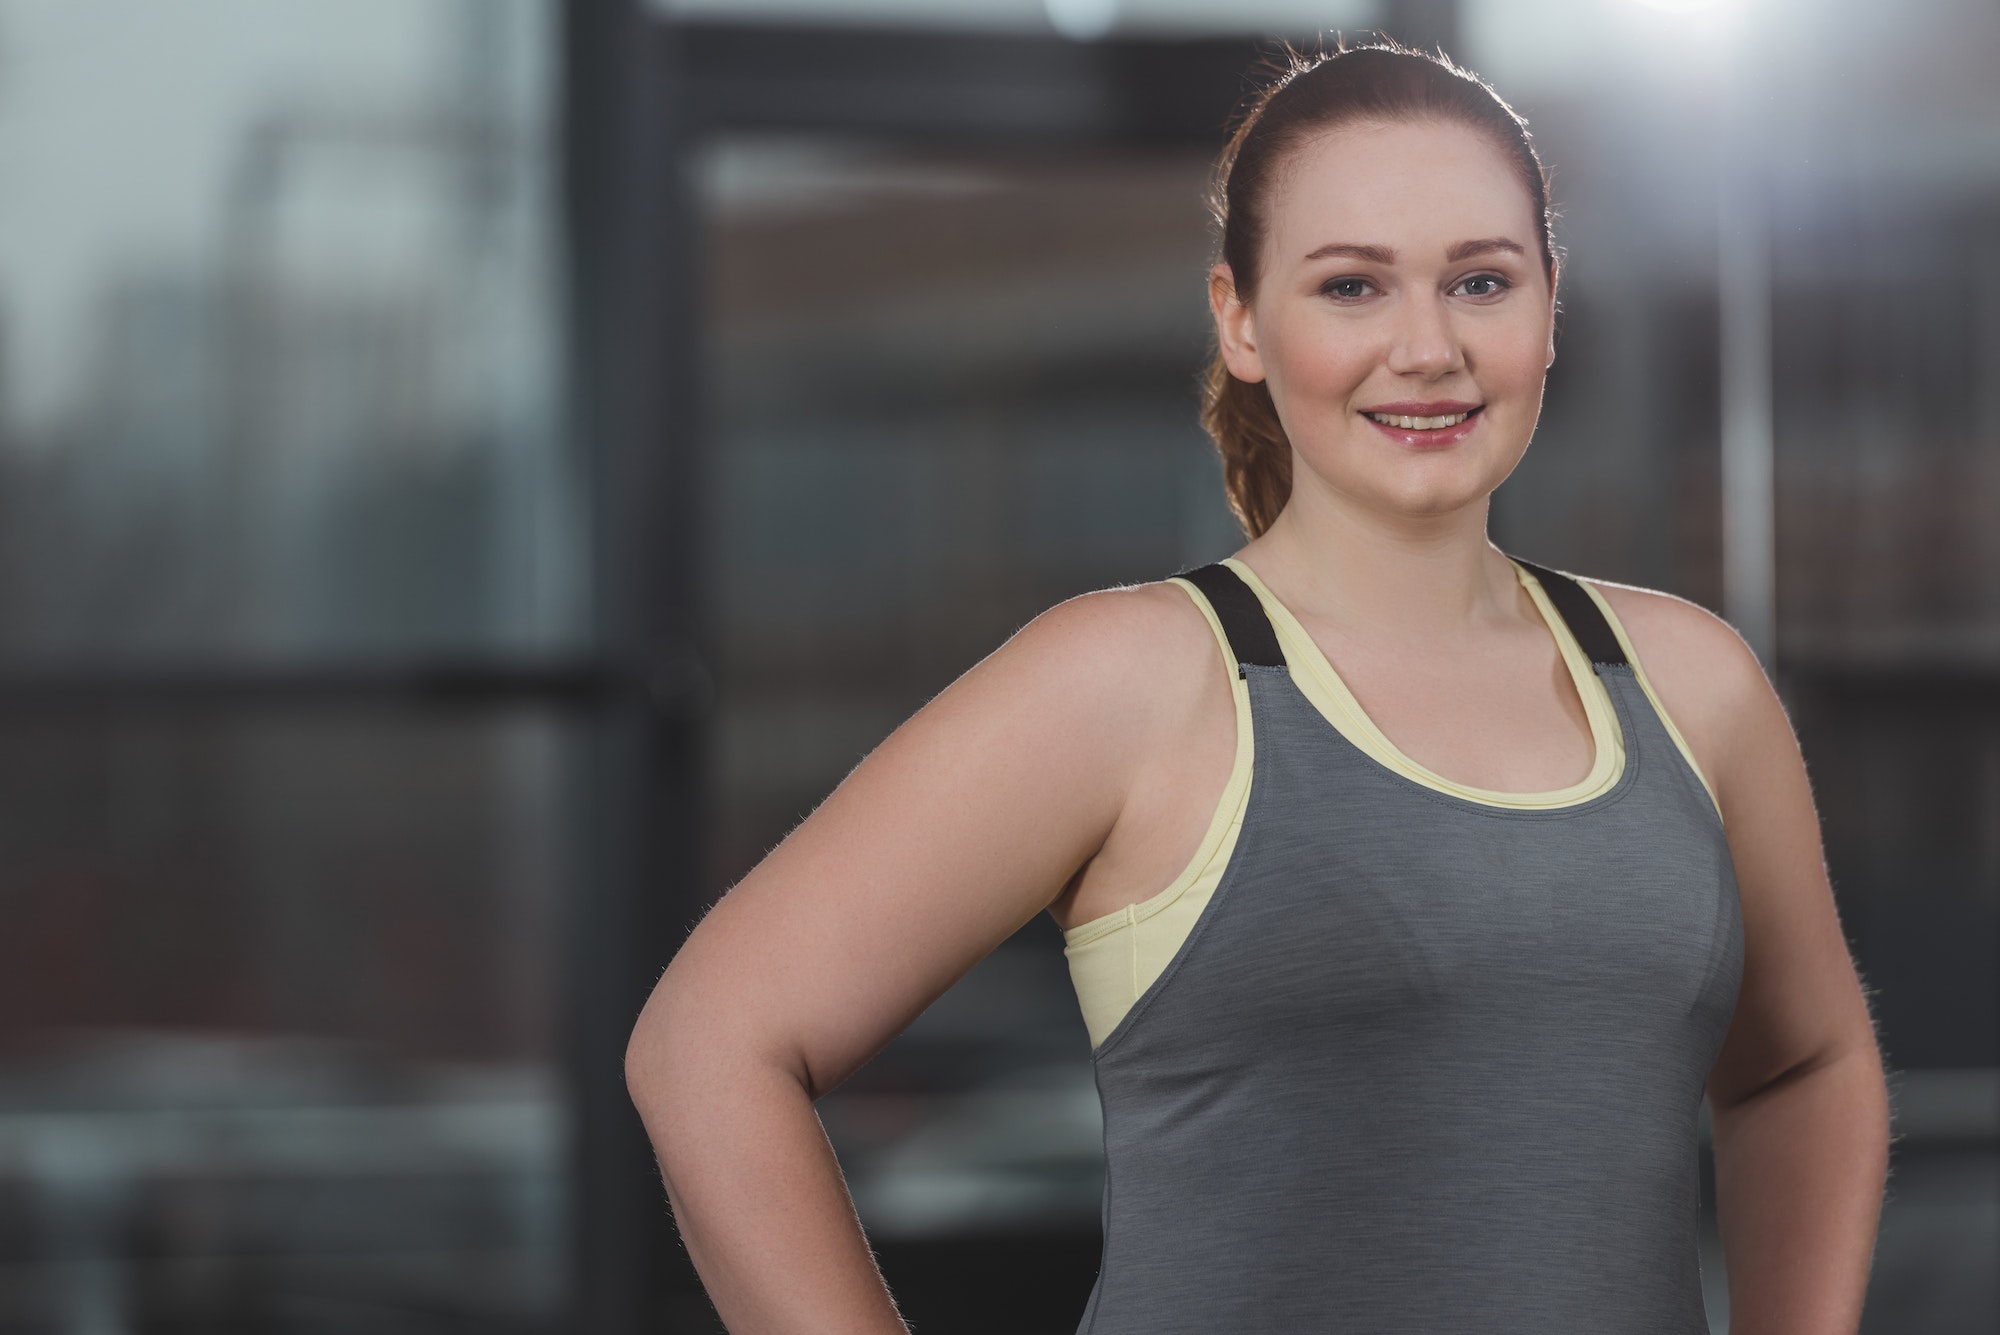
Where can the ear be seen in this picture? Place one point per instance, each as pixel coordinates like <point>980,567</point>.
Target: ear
<point>1235,328</point>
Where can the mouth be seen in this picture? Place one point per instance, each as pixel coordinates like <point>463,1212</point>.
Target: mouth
<point>1429,426</point>
<point>1421,422</point>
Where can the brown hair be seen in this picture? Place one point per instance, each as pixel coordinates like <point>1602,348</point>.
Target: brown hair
<point>1310,95</point>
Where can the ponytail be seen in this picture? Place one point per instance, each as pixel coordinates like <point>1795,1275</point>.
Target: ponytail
<point>1256,453</point>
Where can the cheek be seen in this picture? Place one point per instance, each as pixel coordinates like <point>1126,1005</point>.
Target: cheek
<point>1309,361</point>
<point>1510,357</point>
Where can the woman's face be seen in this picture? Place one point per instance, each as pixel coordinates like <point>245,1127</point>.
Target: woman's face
<point>1402,279</point>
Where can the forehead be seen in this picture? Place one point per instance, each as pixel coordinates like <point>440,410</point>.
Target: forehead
<point>1416,186</point>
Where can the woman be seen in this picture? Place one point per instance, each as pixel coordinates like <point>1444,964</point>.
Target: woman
<point>1411,918</point>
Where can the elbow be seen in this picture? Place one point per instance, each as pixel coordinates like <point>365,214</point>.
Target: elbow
<point>665,1068</point>
<point>654,1071</point>
<point>656,1057</point>
<point>1852,1076</point>
<point>692,1066</point>
<point>640,1060</point>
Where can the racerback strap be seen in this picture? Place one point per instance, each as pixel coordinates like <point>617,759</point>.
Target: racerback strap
<point>1251,638</point>
<point>1255,643</point>
<point>1581,613</point>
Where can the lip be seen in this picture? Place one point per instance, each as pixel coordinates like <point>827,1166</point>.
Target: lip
<point>1412,408</point>
<point>1427,440</point>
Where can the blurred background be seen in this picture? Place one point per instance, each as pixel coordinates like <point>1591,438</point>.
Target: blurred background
<point>474,473</point>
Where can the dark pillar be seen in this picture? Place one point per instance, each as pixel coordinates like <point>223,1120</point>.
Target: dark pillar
<point>629,221</point>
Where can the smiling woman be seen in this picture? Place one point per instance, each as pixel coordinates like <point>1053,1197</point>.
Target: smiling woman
<point>1410,916</point>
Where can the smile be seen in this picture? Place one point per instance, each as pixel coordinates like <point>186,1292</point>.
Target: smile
<point>1420,423</point>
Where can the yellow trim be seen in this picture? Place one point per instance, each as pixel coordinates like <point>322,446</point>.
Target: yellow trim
<point>1320,684</point>
<point>1115,958</point>
<point>1639,675</point>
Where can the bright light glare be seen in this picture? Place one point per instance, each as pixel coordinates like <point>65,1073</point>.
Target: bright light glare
<point>1682,27</point>
<point>1082,20</point>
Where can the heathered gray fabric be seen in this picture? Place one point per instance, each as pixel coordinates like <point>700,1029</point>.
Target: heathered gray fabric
<point>1426,1065</point>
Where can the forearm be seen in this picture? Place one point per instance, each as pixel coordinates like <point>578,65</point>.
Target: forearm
<point>760,1202</point>
<point>1799,1173</point>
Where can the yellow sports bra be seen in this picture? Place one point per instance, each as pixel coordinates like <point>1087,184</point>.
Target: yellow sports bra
<point>1115,958</point>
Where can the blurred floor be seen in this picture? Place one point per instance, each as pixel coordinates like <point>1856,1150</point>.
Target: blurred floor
<point>157,1182</point>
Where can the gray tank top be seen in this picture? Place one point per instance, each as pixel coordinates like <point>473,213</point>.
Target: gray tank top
<point>1425,1064</point>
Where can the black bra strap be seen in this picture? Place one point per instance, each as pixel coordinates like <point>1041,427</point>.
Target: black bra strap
<point>1581,612</point>
<point>1251,638</point>
<point>1254,642</point>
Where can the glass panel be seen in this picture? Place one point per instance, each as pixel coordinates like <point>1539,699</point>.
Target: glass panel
<point>278,998</point>
<point>1889,590</point>
<point>277,341</point>
<point>278,350</point>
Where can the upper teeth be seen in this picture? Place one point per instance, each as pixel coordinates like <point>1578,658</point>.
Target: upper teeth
<point>1419,423</point>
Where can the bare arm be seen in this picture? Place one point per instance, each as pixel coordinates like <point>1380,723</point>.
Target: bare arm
<point>1800,1109</point>
<point>963,825</point>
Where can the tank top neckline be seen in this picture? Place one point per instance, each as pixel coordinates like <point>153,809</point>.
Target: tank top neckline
<point>1330,696</point>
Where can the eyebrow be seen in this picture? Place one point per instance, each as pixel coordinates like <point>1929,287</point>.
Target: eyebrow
<point>1460,250</point>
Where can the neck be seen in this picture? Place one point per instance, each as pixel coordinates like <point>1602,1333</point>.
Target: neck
<point>1352,567</point>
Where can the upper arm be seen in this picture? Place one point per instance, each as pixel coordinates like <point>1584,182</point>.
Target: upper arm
<point>953,833</point>
<point>1801,1003</point>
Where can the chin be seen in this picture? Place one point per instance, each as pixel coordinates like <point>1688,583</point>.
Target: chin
<point>1430,502</point>
<point>1423,486</point>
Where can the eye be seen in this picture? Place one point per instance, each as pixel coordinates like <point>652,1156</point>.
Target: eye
<point>1346,289</point>
<point>1484,285</point>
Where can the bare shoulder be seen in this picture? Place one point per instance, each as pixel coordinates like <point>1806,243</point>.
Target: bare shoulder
<point>1137,650</point>
<point>1089,690</point>
<point>1706,677</point>
<point>1681,638</point>
<point>1131,617</point>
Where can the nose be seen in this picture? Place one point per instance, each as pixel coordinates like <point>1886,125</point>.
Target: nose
<point>1423,342</point>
